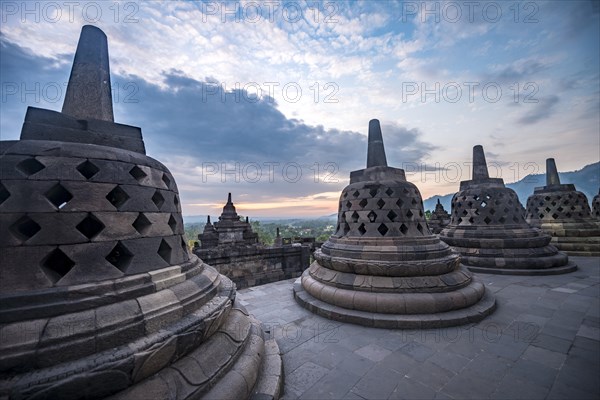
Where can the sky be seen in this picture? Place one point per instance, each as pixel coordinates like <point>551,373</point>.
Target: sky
<point>271,100</point>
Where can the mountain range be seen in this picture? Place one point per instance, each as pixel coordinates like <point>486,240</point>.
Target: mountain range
<point>586,180</point>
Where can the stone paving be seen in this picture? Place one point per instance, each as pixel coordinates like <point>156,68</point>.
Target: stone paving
<point>543,341</point>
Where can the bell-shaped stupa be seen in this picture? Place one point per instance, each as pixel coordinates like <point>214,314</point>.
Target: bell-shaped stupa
<point>383,267</point>
<point>99,295</point>
<point>489,230</point>
<point>564,213</point>
<point>596,206</point>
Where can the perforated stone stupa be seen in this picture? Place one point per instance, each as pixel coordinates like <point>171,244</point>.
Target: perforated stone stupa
<point>383,267</point>
<point>596,206</point>
<point>439,218</point>
<point>564,213</point>
<point>99,296</point>
<point>488,228</point>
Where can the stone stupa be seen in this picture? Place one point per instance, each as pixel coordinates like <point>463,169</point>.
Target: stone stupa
<point>489,230</point>
<point>439,218</point>
<point>383,267</point>
<point>596,206</point>
<point>564,213</point>
<point>99,295</point>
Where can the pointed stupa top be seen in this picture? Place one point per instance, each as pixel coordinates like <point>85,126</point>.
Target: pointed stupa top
<point>278,232</point>
<point>229,212</point>
<point>208,219</point>
<point>480,171</point>
<point>88,93</point>
<point>209,228</point>
<point>376,151</point>
<point>551,173</point>
<point>377,168</point>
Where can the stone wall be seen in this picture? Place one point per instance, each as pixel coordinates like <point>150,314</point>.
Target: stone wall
<point>253,266</point>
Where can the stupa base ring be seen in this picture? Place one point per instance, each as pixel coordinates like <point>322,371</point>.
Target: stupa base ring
<point>471,314</point>
<point>564,269</point>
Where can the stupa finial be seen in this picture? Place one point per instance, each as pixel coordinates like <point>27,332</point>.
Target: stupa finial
<point>480,170</point>
<point>88,93</point>
<point>551,173</point>
<point>375,151</point>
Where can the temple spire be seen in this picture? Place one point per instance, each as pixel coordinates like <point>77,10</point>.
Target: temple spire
<point>376,151</point>
<point>208,219</point>
<point>480,171</point>
<point>229,198</point>
<point>551,173</point>
<point>88,94</point>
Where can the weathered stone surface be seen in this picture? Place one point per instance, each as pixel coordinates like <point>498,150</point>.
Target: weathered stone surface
<point>383,267</point>
<point>488,228</point>
<point>99,295</point>
<point>564,213</point>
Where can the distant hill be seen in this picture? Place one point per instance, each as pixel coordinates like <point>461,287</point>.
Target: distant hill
<point>586,180</point>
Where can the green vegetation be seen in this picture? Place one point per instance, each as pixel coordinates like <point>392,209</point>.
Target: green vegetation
<point>320,229</point>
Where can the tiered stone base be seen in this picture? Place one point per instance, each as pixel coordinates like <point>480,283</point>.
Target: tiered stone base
<point>485,305</point>
<point>409,283</point>
<point>575,238</point>
<point>507,250</point>
<point>176,333</point>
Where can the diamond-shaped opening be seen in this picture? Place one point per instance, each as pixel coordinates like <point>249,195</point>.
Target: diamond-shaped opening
<point>476,197</point>
<point>569,196</point>
<point>117,197</point>
<point>470,204</point>
<point>164,250</point>
<point>409,214</point>
<point>348,204</point>
<point>172,223</point>
<point>4,193</point>
<point>399,203</point>
<point>24,228</point>
<point>541,203</point>
<point>175,200</point>
<point>363,203</point>
<point>515,219</point>
<point>541,216</point>
<point>142,224</point>
<point>487,197</point>
<point>465,213</point>
<point>392,215</point>
<point>382,229</point>
<point>120,257</point>
<point>568,215</point>
<point>403,229</point>
<point>502,219</point>
<point>553,203</point>
<point>389,191</point>
<point>420,228</point>
<point>87,169</point>
<point>471,220</point>
<point>362,229</point>
<point>493,211</point>
<point>380,203</point>
<point>413,201</point>
<point>510,203</point>
<point>158,199</point>
<point>405,191</point>
<point>547,198</point>
<point>483,204</point>
<point>346,228</point>
<point>487,220</point>
<point>137,173</point>
<point>166,180</point>
<point>459,220</point>
<point>90,226</point>
<point>548,209</point>
<point>372,216</point>
<point>58,195</point>
<point>355,216</point>
<point>30,166</point>
<point>555,215</point>
<point>56,265</point>
<point>345,195</point>
<point>373,192</point>
<point>356,193</point>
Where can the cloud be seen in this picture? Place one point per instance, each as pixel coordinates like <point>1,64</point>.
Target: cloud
<point>545,108</point>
